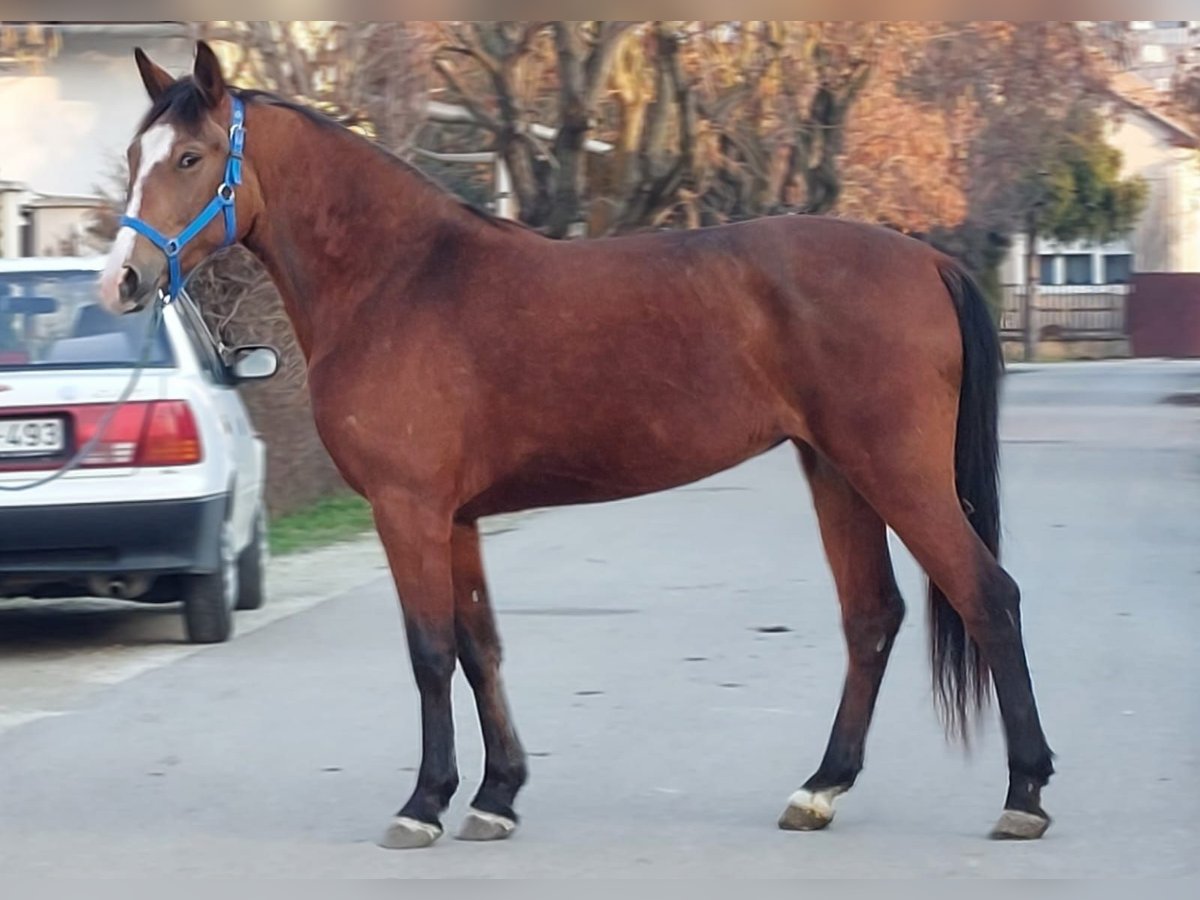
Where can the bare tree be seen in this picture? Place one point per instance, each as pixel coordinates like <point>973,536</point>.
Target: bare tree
<point>779,96</point>
<point>369,75</point>
<point>510,75</point>
<point>710,120</point>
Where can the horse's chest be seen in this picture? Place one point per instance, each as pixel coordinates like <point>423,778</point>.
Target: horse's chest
<point>384,422</point>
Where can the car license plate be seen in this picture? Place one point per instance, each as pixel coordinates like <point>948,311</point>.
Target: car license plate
<point>31,437</point>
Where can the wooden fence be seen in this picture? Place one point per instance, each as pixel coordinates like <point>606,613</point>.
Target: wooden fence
<point>1067,312</point>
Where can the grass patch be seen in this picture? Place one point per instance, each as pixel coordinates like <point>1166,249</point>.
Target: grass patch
<point>327,521</point>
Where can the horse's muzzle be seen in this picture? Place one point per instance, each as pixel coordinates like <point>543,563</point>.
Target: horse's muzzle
<point>135,287</point>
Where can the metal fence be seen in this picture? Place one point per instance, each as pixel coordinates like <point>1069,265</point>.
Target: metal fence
<point>1094,312</point>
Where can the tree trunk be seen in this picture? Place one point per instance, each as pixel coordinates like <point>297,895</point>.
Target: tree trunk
<point>1033,275</point>
<point>567,190</point>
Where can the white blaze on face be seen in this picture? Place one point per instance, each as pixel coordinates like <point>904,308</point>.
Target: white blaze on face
<point>156,144</point>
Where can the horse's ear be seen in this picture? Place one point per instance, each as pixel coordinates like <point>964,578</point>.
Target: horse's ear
<point>207,74</point>
<point>154,77</point>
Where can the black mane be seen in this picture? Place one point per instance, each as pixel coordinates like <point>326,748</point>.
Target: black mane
<point>184,103</point>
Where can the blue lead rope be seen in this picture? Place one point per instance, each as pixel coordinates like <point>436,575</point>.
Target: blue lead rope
<point>222,203</point>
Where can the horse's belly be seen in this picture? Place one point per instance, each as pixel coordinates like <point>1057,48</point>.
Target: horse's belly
<point>616,467</point>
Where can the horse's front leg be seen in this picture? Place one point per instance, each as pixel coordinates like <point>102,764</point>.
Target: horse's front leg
<point>491,816</point>
<point>416,536</point>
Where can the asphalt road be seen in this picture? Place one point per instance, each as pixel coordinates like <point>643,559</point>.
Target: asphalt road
<point>667,729</point>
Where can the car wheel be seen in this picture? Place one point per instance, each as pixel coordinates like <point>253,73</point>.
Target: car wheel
<point>208,599</point>
<point>252,567</point>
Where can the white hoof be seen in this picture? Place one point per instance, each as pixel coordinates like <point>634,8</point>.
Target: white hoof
<point>1017,825</point>
<point>409,834</point>
<point>485,826</point>
<point>808,811</point>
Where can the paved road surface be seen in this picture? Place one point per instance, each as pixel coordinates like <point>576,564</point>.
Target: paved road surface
<point>666,729</point>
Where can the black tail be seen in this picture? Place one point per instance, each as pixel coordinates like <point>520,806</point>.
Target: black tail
<point>961,681</point>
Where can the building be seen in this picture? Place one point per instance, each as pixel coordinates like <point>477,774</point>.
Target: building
<point>1162,150</point>
<point>34,224</point>
<point>1154,50</point>
<point>66,125</point>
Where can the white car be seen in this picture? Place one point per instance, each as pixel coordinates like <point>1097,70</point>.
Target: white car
<point>168,505</point>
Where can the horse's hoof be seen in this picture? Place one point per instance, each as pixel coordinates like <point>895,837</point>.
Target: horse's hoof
<point>485,826</point>
<point>807,811</point>
<point>409,834</point>
<point>1017,825</point>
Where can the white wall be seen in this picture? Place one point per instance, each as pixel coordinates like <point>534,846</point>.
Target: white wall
<point>59,230</point>
<point>63,128</point>
<point>1147,153</point>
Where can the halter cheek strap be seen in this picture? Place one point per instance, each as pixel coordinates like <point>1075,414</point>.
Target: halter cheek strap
<point>221,204</point>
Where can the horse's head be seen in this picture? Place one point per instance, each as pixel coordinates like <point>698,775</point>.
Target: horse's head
<point>178,164</point>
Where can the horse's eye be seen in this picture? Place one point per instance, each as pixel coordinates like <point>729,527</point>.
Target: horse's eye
<point>188,160</point>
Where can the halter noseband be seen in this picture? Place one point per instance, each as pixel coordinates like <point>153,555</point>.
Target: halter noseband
<point>223,202</point>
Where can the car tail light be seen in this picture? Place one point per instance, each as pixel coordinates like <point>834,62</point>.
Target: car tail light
<point>158,433</point>
<point>118,445</point>
<point>170,437</point>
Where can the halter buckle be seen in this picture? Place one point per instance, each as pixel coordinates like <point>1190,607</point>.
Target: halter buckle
<point>225,191</point>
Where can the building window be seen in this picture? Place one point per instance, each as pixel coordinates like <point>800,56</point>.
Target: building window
<point>1153,53</point>
<point>1170,24</point>
<point>1117,268</point>
<point>1078,268</point>
<point>1046,269</point>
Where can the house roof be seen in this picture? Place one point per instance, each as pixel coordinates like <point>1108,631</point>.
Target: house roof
<point>1143,97</point>
<point>64,201</point>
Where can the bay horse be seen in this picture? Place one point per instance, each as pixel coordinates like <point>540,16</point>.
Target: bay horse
<point>462,366</point>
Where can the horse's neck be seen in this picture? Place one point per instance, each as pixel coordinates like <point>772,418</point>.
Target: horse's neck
<point>339,217</point>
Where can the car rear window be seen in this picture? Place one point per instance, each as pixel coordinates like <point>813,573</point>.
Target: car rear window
<point>53,320</point>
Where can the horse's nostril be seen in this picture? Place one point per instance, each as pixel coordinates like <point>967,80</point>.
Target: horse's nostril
<point>129,283</point>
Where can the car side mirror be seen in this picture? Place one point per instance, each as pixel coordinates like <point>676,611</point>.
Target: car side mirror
<point>254,362</point>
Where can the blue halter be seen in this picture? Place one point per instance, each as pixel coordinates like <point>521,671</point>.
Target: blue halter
<point>223,202</point>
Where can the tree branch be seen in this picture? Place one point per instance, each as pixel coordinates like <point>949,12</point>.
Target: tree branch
<point>484,118</point>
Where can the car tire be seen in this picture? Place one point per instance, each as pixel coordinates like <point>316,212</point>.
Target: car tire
<point>252,567</point>
<point>209,598</point>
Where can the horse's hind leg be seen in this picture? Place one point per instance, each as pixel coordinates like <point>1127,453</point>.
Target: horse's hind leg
<point>491,816</point>
<point>855,541</point>
<point>988,601</point>
<point>918,501</point>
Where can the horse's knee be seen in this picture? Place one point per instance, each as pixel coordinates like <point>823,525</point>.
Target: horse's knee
<point>431,654</point>
<point>479,653</point>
